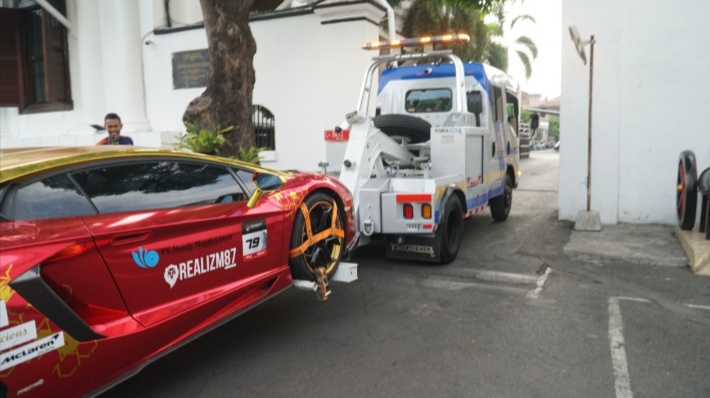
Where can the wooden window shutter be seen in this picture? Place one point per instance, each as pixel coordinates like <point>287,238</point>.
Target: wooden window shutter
<point>56,63</point>
<point>10,60</point>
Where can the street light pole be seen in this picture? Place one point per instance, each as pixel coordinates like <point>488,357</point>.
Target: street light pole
<point>587,220</point>
<point>589,126</point>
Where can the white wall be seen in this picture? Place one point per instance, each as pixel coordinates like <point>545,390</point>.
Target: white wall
<point>650,95</point>
<point>309,79</point>
<point>71,127</point>
<point>308,67</point>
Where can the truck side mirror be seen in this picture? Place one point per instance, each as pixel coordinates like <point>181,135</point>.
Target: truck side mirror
<point>535,121</point>
<point>474,104</point>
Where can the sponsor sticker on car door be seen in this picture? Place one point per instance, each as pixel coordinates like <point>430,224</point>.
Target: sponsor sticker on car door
<point>254,239</point>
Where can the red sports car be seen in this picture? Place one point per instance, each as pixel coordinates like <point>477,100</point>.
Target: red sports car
<point>113,256</point>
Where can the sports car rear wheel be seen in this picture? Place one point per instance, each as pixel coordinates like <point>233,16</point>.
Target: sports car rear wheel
<point>317,237</point>
<point>686,190</point>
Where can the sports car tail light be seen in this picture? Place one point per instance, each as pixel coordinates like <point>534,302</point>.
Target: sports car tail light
<point>408,210</point>
<point>426,211</point>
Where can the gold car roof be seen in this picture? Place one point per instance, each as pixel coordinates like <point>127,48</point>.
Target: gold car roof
<point>21,162</point>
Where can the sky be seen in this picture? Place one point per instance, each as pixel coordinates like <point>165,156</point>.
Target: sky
<point>547,35</point>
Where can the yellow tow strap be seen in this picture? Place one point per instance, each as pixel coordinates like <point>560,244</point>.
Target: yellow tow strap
<point>313,239</point>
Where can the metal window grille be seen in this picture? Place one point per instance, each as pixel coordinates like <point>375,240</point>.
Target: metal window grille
<point>263,121</point>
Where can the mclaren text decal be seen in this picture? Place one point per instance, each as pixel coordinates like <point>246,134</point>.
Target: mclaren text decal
<point>253,239</point>
<point>32,350</point>
<point>224,259</point>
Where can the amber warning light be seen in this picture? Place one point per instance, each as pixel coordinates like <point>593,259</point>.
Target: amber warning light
<point>445,39</point>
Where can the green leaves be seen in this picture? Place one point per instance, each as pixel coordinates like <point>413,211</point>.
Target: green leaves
<point>210,141</point>
<point>249,156</point>
<point>203,140</point>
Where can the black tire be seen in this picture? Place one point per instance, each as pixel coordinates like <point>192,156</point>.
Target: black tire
<point>687,190</point>
<point>450,230</point>
<point>327,252</point>
<point>415,129</point>
<point>500,205</point>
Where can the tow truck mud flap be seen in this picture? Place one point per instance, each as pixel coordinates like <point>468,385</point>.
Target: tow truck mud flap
<point>417,248</point>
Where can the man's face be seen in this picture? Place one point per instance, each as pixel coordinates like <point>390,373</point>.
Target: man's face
<point>113,127</point>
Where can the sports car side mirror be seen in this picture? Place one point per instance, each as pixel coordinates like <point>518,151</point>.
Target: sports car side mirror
<point>263,182</point>
<point>266,182</point>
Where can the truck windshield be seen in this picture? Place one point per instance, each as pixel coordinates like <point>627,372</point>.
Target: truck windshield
<point>428,100</point>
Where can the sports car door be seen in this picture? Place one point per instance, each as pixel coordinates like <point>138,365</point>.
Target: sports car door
<point>180,240</point>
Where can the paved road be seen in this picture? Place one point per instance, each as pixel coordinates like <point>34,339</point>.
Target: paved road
<point>513,316</point>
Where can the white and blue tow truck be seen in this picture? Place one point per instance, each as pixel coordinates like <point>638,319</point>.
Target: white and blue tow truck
<point>433,143</point>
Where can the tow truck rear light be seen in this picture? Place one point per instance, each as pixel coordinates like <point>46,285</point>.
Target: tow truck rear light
<point>426,211</point>
<point>453,38</point>
<point>336,135</point>
<point>408,211</point>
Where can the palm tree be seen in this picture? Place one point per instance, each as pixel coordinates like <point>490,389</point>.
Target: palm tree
<point>436,17</point>
<point>523,46</point>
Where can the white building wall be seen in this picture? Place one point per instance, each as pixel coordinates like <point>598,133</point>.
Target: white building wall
<point>71,127</point>
<point>649,98</point>
<point>313,88</point>
<point>308,65</point>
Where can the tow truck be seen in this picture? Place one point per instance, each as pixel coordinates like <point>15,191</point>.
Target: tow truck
<point>432,142</point>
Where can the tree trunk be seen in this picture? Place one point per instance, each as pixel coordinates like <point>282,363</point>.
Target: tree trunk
<point>227,99</point>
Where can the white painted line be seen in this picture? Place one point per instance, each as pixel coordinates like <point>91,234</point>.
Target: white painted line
<point>622,382</point>
<point>506,277</point>
<point>540,282</point>
<point>699,307</point>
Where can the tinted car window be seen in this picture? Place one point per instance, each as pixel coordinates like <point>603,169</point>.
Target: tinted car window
<point>246,177</point>
<point>52,197</point>
<point>158,185</point>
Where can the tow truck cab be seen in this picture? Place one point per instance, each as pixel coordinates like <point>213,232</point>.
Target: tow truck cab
<point>428,91</point>
<point>437,145</point>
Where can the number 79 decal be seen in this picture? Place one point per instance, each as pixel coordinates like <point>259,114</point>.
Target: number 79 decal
<point>254,239</point>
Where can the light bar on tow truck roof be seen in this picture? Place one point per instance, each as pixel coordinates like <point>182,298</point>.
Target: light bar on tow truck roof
<point>421,41</point>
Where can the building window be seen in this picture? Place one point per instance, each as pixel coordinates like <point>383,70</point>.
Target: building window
<point>34,51</point>
<point>263,121</point>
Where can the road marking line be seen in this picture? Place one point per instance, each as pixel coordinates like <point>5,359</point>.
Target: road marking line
<point>622,382</point>
<point>540,282</point>
<point>506,277</point>
<point>699,307</point>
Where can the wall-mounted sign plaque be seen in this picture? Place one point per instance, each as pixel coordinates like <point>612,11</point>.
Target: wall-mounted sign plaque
<point>190,69</point>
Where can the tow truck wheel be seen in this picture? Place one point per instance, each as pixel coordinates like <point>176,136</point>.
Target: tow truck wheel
<point>450,230</point>
<point>323,215</point>
<point>415,129</point>
<point>500,205</point>
<point>687,190</point>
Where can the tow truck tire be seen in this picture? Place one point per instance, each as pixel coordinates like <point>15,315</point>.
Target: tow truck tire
<point>500,205</point>
<point>415,129</point>
<point>324,253</point>
<point>450,230</point>
<point>687,190</point>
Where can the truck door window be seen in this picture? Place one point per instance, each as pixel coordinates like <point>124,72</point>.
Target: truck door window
<point>497,105</point>
<point>430,100</point>
<point>513,111</point>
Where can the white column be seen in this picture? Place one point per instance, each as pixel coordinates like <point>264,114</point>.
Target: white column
<point>121,50</point>
<point>90,98</point>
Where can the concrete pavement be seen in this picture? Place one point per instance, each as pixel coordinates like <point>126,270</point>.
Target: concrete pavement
<point>635,243</point>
